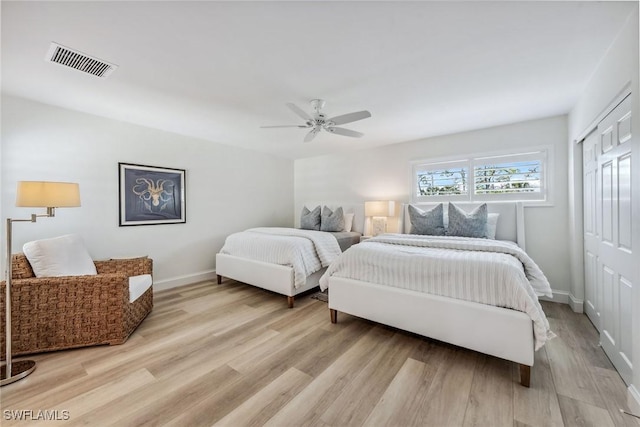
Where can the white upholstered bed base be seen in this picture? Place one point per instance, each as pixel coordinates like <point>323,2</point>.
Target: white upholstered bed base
<point>272,277</point>
<point>495,331</point>
<point>491,330</point>
<point>279,278</point>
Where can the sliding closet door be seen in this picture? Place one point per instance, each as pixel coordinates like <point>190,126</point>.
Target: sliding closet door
<point>591,187</point>
<point>615,261</point>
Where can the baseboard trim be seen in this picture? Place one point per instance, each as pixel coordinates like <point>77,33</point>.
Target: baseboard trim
<point>561,297</point>
<point>184,280</point>
<point>577,305</point>
<point>633,400</point>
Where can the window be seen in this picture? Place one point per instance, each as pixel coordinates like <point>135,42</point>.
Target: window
<point>500,177</point>
<point>442,180</point>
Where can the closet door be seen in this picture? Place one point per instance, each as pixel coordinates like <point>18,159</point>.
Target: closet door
<point>591,184</point>
<point>615,261</point>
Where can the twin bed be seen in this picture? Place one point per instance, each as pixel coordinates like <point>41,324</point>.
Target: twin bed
<point>285,261</point>
<point>461,298</point>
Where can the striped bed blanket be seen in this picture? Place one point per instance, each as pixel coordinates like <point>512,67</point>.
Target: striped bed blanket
<point>480,270</point>
<point>306,251</point>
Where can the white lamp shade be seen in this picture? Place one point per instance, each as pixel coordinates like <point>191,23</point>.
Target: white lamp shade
<point>45,194</point>
<point>380,208</point>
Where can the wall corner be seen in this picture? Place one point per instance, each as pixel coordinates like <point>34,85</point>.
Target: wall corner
<point>576,304</point>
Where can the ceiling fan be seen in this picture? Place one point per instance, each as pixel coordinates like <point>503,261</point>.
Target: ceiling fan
<point>320,121</point>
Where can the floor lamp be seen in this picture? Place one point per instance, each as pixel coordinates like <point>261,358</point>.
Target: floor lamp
<point>31,194</point>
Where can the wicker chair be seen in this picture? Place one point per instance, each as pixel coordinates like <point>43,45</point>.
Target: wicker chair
<point>55,313</point>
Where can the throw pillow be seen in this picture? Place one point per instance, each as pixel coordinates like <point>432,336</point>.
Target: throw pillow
<point>427,222</point>
<point>348,221</point>
<point>464,224</point>
<point>59,256</point>
<point>492,225</point>
<point>310,220</point>
<point>332,220</point>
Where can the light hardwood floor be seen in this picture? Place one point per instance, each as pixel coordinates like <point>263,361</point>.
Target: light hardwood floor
<point>236,355</point>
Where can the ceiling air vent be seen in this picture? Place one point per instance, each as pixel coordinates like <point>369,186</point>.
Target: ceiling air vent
<point>82,62</point>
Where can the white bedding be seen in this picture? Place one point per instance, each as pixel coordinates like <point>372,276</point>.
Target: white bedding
<point>306,251</point>
<point>479,270</point>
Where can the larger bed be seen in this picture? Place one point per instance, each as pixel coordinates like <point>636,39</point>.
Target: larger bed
<point>360,285</point>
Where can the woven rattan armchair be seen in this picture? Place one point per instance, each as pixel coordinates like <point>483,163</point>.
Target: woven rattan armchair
<point>55,313</point>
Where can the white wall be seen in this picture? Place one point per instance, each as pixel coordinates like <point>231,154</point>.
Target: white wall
<point>617,70</point>
<point>228,189</point>
<point>384,173</point>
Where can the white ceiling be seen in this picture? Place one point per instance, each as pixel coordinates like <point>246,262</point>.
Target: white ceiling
<point>219,70</point>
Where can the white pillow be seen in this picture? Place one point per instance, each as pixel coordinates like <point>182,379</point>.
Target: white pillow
<point>59,256</point>
<point>492,225</point>
<point>348,221</point>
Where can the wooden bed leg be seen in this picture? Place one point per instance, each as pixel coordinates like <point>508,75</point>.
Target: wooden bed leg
<point>290,302</point>
<point>219,279</point>
<point>334,315</point>
<point>525,375</point>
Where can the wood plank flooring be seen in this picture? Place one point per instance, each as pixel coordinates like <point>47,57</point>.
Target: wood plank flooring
<point>235,355</point>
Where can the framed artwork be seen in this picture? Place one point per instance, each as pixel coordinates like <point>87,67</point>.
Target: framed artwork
<point>151,195</point>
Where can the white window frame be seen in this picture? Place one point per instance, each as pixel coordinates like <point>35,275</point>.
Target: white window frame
<point>439,165</point>
<point>542,198</point>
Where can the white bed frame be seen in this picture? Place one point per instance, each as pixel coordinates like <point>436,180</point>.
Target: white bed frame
<point>496,331</point>
<point>274,277</point>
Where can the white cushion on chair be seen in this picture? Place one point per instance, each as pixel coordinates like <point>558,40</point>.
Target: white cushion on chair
<point>138,285</point>
<point>59,256</point>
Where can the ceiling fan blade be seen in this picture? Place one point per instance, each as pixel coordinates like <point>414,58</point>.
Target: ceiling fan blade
<point>299,111</point>
<point>351,117</point>
<point>345,132</point>
<point>286,126</point>
<point>312,134</point>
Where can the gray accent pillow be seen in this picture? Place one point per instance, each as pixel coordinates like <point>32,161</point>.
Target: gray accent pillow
<point>332,220</point>
<point>464,224</point>
<point>427,222</point>
<point>310,220</point>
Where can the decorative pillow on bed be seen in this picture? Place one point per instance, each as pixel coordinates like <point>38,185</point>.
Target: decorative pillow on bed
<point>59,256</point>
<point>310,220</point>
<point>348,221</point>
<point>430,222</point>
<point>492,225</point>
<point>332,220</point>
<point>464,224</point>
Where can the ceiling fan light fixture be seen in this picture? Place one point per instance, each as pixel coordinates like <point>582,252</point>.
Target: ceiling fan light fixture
<point>319,121</point>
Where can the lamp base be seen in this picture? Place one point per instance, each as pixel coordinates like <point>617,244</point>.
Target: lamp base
<point>378,225</point>
<point>19,370</point>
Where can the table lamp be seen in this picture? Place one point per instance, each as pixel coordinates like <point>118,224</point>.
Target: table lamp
<point>379,210</point>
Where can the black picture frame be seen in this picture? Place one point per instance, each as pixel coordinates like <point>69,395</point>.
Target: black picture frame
<point>151,195</point>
